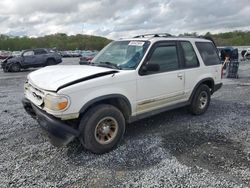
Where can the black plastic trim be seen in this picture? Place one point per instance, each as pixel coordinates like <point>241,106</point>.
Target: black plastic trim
<point>198,84</point>
<point>119,96</point>
<point>58,131</point>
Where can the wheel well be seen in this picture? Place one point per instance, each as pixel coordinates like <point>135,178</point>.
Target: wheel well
<point>118,102</point>
<point>16,63</point>
<point>210,84</point>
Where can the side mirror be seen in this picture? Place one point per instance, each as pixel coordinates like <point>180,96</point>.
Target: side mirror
<point>150,68</point>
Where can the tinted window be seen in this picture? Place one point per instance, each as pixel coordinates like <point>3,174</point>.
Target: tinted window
<point>28,53</point>
<point>40,51</point>
<point>208,53</point>
<point>166,57</point>
<point>190,57</point>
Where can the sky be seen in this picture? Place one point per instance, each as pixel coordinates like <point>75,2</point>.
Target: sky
<point>125,18</point>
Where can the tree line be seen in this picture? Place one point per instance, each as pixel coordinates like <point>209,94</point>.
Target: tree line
<point>62,41</point>
<point>59,41</point>
<point>234,38</point>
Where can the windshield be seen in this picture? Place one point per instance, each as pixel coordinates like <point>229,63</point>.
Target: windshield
<point>121,54</point>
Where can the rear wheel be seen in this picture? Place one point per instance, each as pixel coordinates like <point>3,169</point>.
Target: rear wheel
<point>16,67</point>
<point>102,128</point>
<point>201,100</point>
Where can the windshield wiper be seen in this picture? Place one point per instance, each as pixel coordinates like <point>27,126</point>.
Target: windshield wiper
<point>107,64</point>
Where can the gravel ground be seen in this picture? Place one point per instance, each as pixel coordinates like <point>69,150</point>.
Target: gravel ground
<point>173,149</point>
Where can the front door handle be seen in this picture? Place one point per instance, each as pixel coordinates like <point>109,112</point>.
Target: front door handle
<point>180,76</point>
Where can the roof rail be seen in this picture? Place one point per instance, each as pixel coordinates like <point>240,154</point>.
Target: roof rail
<point>154,35</point>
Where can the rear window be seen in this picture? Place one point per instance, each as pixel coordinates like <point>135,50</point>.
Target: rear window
<point>208,53</point>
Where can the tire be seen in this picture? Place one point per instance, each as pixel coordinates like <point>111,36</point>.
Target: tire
<point>102,128</point>
<point>16,67</point>
<point>201,100</point>
<point>50,62</point>
<point>243,53</point>
<point>5,70</point>
<point>248,56</point>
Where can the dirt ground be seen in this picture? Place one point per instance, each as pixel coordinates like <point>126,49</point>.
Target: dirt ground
<point>172,149</point>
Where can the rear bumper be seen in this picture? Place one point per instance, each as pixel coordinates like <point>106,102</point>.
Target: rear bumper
<point>58,131</point>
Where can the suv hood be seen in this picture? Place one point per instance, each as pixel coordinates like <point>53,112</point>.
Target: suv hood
<point>53,78</point>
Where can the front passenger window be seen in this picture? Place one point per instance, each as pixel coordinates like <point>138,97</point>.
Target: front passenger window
<point>166,57</point>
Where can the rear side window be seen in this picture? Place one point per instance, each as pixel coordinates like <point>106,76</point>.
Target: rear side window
<point>190,57</point>
<point>208,53</point>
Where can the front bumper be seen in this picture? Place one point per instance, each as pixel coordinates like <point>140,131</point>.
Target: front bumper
<point>3,64</point>
<point>59,132</point>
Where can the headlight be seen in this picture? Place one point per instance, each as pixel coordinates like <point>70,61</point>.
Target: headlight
<point>56,102</point>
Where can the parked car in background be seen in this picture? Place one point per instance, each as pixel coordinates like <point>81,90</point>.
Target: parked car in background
<point>87,57</point>
<point>64,54</point>
<point>74,53</point>
<point>4,54</point>
<point>31,58</point>
<point>70,53</point>
<point>16,53</point>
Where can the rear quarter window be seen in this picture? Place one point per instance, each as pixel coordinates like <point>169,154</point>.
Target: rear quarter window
<point>208,53</point>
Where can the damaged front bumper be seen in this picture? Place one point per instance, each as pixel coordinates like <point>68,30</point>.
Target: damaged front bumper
<point>58,131</point>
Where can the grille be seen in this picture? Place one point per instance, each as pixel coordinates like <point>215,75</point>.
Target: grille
<point>34,94</point>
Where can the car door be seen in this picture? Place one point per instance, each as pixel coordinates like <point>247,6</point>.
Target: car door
<point>29,58</point>
<point>41,55</point>
<point>164,87</point>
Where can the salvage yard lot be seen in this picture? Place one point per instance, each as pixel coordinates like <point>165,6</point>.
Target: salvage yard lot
<point>172,149</point>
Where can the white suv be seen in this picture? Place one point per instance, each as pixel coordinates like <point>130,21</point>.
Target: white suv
<point>128,80</point>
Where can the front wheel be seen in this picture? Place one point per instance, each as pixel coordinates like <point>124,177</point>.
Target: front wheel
<point>201,100</point>
<point>15,67</point>
<point>5,70</point>
<point>102,128</point>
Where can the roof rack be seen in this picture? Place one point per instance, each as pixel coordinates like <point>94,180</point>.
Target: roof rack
<point>169,35</point>
<point>200,36</point>
<point>154,35</point>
